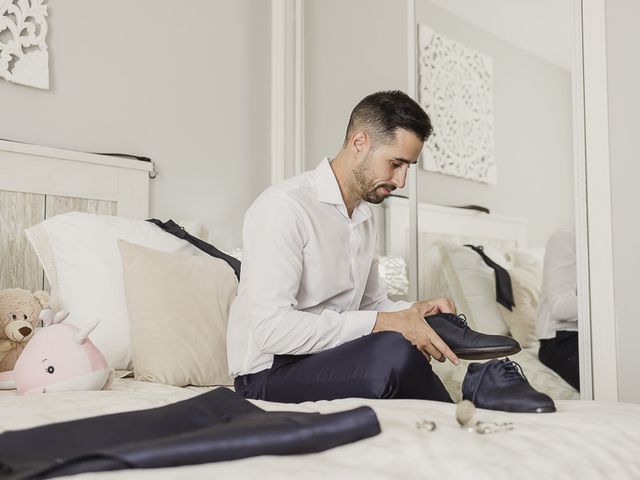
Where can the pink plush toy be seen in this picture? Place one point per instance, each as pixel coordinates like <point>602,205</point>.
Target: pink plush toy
<point>58,358</point>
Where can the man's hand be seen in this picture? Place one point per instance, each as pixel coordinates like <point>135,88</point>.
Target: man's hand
<point>439,305</point>
<point>411,324</point>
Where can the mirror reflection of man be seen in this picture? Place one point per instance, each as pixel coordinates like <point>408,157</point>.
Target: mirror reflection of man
<point>557,315</point>
<point>312,319</point>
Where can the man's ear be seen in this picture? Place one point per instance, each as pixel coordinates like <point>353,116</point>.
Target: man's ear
<point>359,141</point>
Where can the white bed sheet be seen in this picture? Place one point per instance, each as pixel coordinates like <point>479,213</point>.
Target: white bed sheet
<point>582,440</point>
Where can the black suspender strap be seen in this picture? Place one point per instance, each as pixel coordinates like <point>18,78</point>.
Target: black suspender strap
<point>174,229</point>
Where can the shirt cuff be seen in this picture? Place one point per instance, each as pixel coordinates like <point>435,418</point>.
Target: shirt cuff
<point>359,323</point>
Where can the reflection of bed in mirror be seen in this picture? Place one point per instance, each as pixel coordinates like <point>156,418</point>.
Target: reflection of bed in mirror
<point>447,268</point>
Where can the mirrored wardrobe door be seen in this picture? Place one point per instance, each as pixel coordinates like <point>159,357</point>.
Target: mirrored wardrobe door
<point>496,184</point>
<point>498,172</point>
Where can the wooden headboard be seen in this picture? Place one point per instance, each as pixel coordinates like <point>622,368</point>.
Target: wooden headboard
<point>39,182</point>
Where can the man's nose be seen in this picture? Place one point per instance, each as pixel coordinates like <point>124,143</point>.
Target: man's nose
<point>400,177</point>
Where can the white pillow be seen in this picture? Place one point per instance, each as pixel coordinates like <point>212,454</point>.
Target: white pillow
<point>527,260</point>
<point>80,256</point>
<point>472,285</point>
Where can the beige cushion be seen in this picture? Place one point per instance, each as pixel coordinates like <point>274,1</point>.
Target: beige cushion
<point>526,295</point>
<point>526,280</point>
<point>178,309</point>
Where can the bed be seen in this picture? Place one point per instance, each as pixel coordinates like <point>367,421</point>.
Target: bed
<point>582,439</point>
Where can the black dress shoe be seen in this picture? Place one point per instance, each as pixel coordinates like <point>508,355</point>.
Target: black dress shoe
<point>469,344</point>
<point>501,385</point>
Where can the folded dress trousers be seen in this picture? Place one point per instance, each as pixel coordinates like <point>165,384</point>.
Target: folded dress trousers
<point>215,426</point>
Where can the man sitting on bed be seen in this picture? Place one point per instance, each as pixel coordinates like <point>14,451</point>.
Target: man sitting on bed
<point>312,320</point>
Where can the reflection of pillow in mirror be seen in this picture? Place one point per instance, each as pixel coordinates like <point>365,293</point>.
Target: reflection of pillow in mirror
<point>472,285</point>
<point>178,309</point>
<point>528,261</point>
<point>430,276</point>
<point>521,321</point>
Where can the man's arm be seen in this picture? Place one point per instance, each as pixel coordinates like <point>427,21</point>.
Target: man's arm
<point>273,241</point>
<point>560,276</point>
<point>407,318</point>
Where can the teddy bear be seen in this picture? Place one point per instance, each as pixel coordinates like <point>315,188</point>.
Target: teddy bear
<point>19,312</point>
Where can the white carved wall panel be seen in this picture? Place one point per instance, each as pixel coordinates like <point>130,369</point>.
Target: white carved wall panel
<point>455,89</point>
<point>24,57</point>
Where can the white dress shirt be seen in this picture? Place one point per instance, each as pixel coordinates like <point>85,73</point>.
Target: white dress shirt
<point>558,307</point>
<point>309,277</point>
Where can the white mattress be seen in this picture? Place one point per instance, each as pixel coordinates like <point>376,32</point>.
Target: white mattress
<point>582,440</point>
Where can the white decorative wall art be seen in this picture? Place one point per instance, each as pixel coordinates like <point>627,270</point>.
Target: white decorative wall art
<point>24,57</point>
<point>455,90</point>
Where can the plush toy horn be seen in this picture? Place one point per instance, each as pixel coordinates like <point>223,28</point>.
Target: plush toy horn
<point>46,315</point>
<point>81,335</point>
<point>60,316</point>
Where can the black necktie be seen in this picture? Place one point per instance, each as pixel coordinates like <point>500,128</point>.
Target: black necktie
<point>504,291</point>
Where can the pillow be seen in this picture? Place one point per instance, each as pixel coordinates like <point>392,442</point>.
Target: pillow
<point>526,279</point>
<point>431,279</point>
<point>178,309</point>
<point>472,286</point>
<point>521,321</point>
<point>528,261</point>
<point>80,257</point>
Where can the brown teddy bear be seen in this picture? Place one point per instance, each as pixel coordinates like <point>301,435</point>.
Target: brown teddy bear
<point>19,312</point>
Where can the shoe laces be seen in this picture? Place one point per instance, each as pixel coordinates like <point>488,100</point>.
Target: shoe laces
<point>461,319</point>
<point>506,368</point>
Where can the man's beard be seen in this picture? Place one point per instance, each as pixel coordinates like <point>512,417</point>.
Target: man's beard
<point>369,188</point>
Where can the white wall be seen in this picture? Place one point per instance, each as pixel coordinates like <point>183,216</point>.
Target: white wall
<point>533,134</point>
<point>354,48</point>
<point>185,83</point>
<point>623,77</point>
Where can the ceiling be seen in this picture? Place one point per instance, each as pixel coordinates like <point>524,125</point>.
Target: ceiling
<point>543,28</point>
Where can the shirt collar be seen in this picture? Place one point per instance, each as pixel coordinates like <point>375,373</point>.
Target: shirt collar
<point>329,192</point>
<point>327,183</point>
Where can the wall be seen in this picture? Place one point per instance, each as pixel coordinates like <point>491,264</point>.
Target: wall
<point>186,84</point>
<point>352,48</point>
<point>357,47</point>
<point>623,77</point>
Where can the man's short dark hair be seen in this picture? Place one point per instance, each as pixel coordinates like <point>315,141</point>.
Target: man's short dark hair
<point>382,113</point>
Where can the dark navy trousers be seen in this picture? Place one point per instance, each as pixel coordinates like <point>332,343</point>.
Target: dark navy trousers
<point>378,365</point>
<point>561,354</point>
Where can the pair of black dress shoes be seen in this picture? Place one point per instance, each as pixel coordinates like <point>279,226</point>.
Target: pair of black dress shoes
<point>497,384</point>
